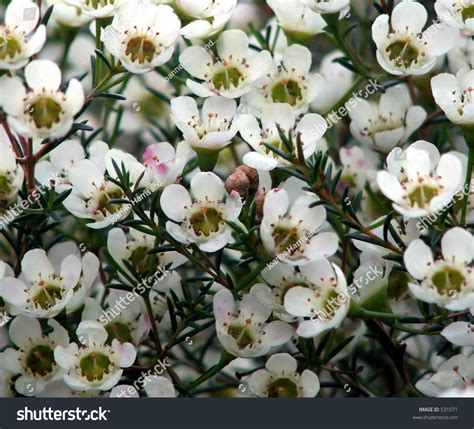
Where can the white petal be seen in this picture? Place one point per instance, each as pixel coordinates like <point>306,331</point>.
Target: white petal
<point>281,362</point>
<point>35,263</point>
<point>71,271</point>
<point>276,333</point>
<point>207,187</point>
<point>41,74</point>
<point>196,61</point>
<point>276,205</point>
<point>310,384</point>
<point>418,258</point>
<point>409,14</point>
<point>459,333</point>
<point>223,305</point>
<point>458,245</point>
<point>24,331</point>
<point>233,43</point>
<point>90,332</point>
<point>174,201</point>
<point>125,353</point>
<point>259,161</point>
<point>159,387</point>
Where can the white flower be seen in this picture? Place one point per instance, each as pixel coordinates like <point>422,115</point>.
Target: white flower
<point>459,333</point>
<point>457,13</point>
<point>281,278</point>
<point>5,271</point>
<point>94,365</point>
<point>389,123</point>
<point>16,47</point>
<point>34,359</point>
<point>338,81</point>
<point>89,270</point>
<point>44,110</point>
<point>329,6</point>
<point>309,129</point>
<point>70,16</point>
<point>164,164</point>
<point>211,129</point>
<point>280,379</point>
<point>456,373</point>
<point>41,291</point>
<point>233,73</point>
<point>448,281</point>
<point>323,297</point>
<point>207,17</point>
<point>462,54</point>
<point>62,159</point>
<point>297,20</point>
<point>201,218</point>
<point>142,35</point>
<point>135,251</point>
<point>242,326</point>
<point>128,324</point>
<point>97,8</point>
<point>289,82</point>
<point>359,166</point>
<point>419,181</point>
<point>454,94</point>
<point>92,191</point>
<point>289,229</point>
<point>11,173</point>
<point>402,46</point>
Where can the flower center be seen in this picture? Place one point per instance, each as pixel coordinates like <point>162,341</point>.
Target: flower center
<point>467,13</point>
<point>40,360</point>
<point>45,112</point>
<point>227,78</point>
<point>95,366</point>
<point>206,221</point>
<point>286,239</point>
<point>9,46</point>
<point>287,91</point>
<point>448,281</point>
<point>48,296</point>
<point>242,335</point>
<point>403,53</point>
<point>140,259</point>
<point>5,188</point>
<point>103,205</point>
<point>141,49</point>
<point>422,195</point>
<point>97,4</point>
<point>118,331</point>
<point>282,388</point>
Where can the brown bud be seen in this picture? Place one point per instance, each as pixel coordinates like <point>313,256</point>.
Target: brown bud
<point>239,182</point>
<point>252,174</point>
